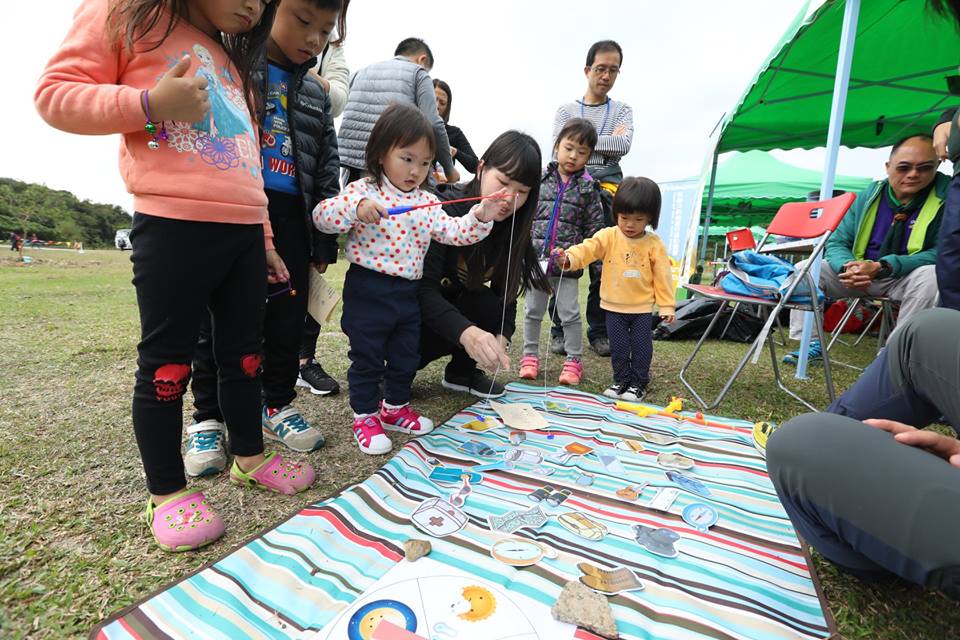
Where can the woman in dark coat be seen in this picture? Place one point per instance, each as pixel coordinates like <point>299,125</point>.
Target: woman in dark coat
<point>468,295</point>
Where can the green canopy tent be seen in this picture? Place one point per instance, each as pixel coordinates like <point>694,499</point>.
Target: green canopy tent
<point>751,187</point>
<point>846,73</point>
<point>904,62</point>
<point>899,74</point>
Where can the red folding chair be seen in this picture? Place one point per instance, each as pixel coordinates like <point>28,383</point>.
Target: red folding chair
<point>802,220</point>
<point>737,240</point>
<point>740,240</point>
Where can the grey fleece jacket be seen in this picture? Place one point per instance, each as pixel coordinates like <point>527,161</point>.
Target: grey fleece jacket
<point>372,90</point>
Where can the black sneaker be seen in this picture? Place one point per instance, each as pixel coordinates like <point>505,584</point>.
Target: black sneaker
<point>633,393</point>
<point>478,383</point>
<point>557,345</point>
<point>615,390</point>
<point>317,380</point>
<point>601,346</point>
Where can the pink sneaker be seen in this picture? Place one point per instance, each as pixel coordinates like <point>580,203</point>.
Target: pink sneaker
<point>183,522</point>
<point>572,372</point>
<point>529,367</point>
<point>370,436</point>
<point>405,420</point>
<point>275,474</point>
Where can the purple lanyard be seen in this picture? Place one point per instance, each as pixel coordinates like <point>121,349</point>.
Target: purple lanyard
<point>552,226</point>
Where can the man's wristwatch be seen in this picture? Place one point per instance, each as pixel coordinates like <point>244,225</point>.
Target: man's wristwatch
<point>885,270</point>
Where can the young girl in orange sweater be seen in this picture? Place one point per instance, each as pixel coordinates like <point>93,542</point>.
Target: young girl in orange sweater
<point>636,275</point>
<point>176,86</point>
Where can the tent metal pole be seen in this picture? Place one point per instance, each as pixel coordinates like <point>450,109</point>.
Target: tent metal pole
<point>706,221</point>
<point>841,83</point>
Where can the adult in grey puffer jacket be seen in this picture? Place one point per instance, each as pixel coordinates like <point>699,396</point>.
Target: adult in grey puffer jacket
<point>403,79</point>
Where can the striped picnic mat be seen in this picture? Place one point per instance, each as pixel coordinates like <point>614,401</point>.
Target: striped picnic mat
<point>745,577</point>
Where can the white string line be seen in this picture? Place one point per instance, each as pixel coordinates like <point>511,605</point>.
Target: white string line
<point>506,285</point>
<point>553,319</point>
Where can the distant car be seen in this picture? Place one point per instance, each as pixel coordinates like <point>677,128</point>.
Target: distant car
<point>122,239</point>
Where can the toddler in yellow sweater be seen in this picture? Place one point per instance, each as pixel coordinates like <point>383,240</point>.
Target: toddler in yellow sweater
<point>636,275</point>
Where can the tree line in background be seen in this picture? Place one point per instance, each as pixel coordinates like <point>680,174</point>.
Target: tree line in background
<point>57,215</point>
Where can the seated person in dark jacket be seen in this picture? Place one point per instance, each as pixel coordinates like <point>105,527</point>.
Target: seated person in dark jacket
<point>460,149</point>
<point>468,295</point>
<point>946,142</point>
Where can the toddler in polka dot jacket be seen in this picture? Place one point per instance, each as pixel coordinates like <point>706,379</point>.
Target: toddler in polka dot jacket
<point>381,313</point>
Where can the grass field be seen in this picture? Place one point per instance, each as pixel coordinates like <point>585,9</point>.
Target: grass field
<point>72,546</point>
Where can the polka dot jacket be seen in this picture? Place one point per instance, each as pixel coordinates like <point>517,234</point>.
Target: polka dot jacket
<point>398,244</point>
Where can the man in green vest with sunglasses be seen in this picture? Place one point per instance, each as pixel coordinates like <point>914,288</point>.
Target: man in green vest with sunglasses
<point>886,245</point>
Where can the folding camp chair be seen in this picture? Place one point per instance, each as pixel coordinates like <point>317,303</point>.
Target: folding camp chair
<point>884,313</point>
<point>806,220</point>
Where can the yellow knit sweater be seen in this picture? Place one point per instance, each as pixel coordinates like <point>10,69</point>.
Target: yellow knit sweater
<point>636,271</point>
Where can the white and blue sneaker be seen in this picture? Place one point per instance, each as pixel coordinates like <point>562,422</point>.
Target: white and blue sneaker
<point>286,425</point>
<point>814,354</point>
<point>206,454</point>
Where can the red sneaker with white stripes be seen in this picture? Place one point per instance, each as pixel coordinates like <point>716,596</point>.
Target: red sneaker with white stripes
<point>405,420</point>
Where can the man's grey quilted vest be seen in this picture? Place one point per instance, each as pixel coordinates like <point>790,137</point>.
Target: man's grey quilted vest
<point>372,90</point>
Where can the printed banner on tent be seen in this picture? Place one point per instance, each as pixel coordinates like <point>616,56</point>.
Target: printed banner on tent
<point>679,217</point>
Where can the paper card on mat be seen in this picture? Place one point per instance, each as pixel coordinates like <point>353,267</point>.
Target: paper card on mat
<point>323,298</point>
<point>520,415</point>
<point>386,630</point>
<point>431,599</point>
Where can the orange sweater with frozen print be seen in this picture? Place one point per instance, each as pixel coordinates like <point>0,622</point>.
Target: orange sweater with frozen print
<point>207,171</point>
<point>636,271</point>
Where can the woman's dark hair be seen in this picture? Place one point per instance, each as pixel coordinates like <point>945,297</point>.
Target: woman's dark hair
<point>443,86</point>
<point>638,195</point>
<point>518,156</point>
<point>341,24</point>
<point>580,131</point>
<point>604,46</point>
<point>400,125</point>
<point>130,21</point>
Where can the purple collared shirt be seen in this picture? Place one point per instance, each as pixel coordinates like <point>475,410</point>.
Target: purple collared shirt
<point>881,226</point>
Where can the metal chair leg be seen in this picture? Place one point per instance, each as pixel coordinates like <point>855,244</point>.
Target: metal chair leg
<point>827,373</point>
<point>757,343</point>
<point>843,322</point>
<point>779,380</point>
<point>866,329</point>
<point>736,307</point>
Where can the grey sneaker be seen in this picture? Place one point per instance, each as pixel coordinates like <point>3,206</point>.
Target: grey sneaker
<point>205,454</point>
<point>558,346</point>
<point>601,346</point>
<point>290,428</point>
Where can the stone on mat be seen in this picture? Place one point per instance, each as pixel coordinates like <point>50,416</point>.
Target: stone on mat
<point>585,608</point>
<point>413,550</point>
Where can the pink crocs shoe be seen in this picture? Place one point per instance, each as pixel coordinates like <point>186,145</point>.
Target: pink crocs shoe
<point>405,420</point>
<point>572,372</point>
<point>275,474</point>
<point>529,367</point>
<point>183,522</point>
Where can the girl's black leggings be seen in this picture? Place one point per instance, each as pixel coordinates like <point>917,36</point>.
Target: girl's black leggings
<point>183,270</point>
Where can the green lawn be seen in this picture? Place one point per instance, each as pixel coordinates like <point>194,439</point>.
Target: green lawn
<point>72,546</point>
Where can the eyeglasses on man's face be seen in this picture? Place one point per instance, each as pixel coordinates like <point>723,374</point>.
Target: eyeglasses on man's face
<point>606,71</point>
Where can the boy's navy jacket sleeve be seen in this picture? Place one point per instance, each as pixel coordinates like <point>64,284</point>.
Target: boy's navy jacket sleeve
<point>327,182</point>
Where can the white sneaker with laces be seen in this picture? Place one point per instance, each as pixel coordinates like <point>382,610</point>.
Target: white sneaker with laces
<point>206,454</point>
